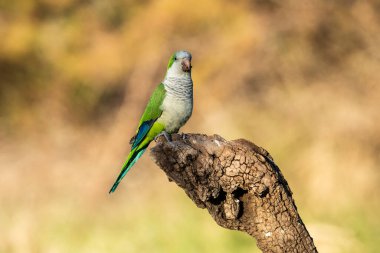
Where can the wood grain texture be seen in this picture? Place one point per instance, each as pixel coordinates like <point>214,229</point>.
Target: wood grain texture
<point>239,184</point>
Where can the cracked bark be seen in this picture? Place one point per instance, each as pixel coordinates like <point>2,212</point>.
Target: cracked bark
<point>239,184</point>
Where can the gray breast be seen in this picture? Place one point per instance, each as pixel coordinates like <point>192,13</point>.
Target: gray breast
<point>178,103</point>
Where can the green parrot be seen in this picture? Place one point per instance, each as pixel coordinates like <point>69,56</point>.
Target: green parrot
<point>168,109</point>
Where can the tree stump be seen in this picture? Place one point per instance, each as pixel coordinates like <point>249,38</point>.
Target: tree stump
<point>239,184</point>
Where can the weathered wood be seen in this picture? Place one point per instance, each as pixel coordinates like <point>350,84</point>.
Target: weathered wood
<point>240,185</point>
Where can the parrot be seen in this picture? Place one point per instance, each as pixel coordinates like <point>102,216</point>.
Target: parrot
<point>169,108</point>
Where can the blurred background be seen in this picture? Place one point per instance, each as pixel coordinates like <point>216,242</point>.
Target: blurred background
<point>300,78</point>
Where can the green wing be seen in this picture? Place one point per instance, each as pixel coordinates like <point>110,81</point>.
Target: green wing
<point>151,114</point>
<point>153,109</point>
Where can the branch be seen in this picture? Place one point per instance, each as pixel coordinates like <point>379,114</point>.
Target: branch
<point>240,185</point>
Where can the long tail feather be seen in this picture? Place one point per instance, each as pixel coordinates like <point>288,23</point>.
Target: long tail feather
<point>133,156</point>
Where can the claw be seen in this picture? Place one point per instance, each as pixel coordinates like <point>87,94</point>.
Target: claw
<point>184,136</point>
<point>167,136</point>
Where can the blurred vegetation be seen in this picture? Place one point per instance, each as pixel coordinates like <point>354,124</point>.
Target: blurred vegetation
<point>300,78</point>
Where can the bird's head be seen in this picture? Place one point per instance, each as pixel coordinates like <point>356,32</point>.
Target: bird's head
<point>179,64</point>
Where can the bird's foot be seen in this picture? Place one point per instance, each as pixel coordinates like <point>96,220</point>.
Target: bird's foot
<point>184,136</point>
<point>167,136</point>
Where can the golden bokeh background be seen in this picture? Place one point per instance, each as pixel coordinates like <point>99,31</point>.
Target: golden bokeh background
<point>300,78</point>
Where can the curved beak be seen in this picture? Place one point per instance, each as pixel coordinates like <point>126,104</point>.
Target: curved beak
<point>186,65</point>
